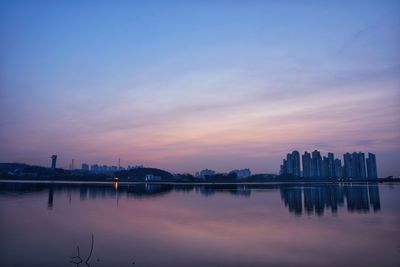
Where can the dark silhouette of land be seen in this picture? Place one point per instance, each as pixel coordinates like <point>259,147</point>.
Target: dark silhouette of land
<point>20,171</point>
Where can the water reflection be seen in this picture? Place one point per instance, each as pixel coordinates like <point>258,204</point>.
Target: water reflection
<point>50,199</point>
<point>42,224</point>
<point>317,199</point>
<point>313,199</point>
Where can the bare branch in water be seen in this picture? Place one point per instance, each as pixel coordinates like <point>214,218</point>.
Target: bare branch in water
<point>78,260</point>
<point>91,250</point>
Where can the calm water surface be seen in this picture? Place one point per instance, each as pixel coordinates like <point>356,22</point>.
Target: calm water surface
<point>42,224</point>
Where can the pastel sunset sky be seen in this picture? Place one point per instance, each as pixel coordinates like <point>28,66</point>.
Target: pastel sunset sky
<point>188,85</point>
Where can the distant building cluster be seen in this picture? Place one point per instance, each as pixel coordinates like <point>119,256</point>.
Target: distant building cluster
<point>103,168</point>
<point>131,167</point>
<point>85,167</point>
<point>151,177</point>
<point>106,169</point>
<point>314,165</point>
<point>242,173</point>
<point>205,173</point>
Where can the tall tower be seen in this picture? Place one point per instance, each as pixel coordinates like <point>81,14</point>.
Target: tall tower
<point>306,159</point>
<point>71,166</point>
<point>331,165</point>
<point>338,173</point>
<point>348,166</point>
<point>296,163</point>
<point>53,161</point>
<point>289,162</point>
<point>325,167</point>
<point>371,166</point>
<point>316,164</point>
<point>361,157</point>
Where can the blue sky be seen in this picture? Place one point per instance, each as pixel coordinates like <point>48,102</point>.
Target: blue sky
<point>185,85</point>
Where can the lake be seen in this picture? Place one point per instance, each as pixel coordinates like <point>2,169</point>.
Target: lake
<point>45,224</point>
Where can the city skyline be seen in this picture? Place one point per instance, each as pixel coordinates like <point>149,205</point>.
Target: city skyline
<point>188,85</point>
<point>316,165</point>
<point>306,165</point>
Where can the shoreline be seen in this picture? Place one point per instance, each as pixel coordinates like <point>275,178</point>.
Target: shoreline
<point>48,181</point>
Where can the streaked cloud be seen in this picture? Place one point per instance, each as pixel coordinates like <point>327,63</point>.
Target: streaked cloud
<point>228,94</point>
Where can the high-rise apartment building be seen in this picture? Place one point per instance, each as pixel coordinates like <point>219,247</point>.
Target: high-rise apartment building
<point>316,164</point>
<point>331,165</point>
<point>306,160</point>
<point>372,172</point>
<point>289,163</point>
<point>347,165</point>
<point>296,163</point>
<point>338,169</point>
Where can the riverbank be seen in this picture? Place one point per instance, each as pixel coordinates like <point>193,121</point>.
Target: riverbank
<point>112,181</point>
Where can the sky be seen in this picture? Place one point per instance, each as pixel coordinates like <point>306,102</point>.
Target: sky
<point>188,85</point>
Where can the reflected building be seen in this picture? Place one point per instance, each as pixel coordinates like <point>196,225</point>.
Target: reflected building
<point>292,199</point>
<point>374,199</point>
<point>318,198</point>
<point>357,198</point>
<point>50,199</point>
<point>310,199</point>
<point>151,188</point>
<point>83,193</point>
<point>234,189</point>
<point>242,190</point>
